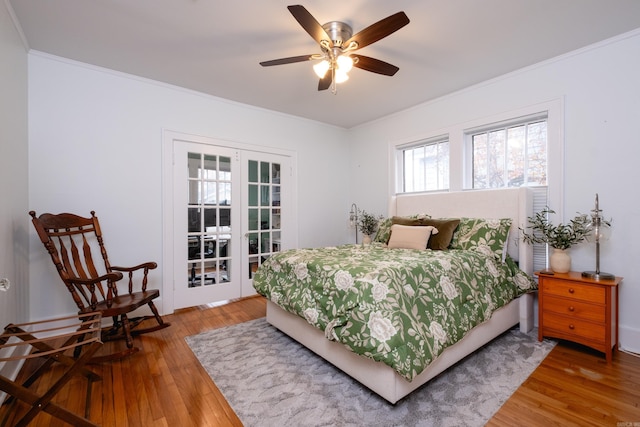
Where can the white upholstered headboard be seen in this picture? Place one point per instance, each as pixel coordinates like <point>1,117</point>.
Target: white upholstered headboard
<point>514,203</point>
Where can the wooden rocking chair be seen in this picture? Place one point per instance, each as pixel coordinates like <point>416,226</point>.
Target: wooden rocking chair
<point>69,239</point>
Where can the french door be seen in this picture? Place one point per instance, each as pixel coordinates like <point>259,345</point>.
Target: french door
<point>231,211</point>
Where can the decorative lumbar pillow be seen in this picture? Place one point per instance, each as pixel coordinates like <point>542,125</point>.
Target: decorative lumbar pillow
<point>384,228</point>
<point>445,227</point>
<point>410,237</point>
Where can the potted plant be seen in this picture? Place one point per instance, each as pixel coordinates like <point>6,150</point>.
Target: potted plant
<point>560,237</point>
<point>368,224</point>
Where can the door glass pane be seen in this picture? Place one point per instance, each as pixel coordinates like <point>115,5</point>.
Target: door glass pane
<point>224,193</point>
<point>225,223</point>
<point>193,216</point>
<point>264,195</point>
<point>265,239</point>
<point>193,267</point>
<point>253,265</point>
<point>210,273</point>
<point>266,219</point>
<point>253,243</point>
<point>225,271</point>
<point>194,192</point>
<point>193,164</point>
<point>224,246</point>
<point>264,171</point>
<point>209,193</point>
<point>209,228</point>
<point>210,167</point>
<point>253,195</point>
<point>253,171</point>
<point>265,224</point>
<point>225,169</point>
<point>210,220</point>
<point>193,243</point>
<point>253,219</point>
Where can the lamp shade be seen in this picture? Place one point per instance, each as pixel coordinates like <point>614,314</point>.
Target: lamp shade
<point>321,68</point>
<point>345,63</point>
<point>599,231</point>
<point>341,76</point>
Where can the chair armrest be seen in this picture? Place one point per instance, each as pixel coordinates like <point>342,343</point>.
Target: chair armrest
<point>145,267</point>
<point>148,265</point>
<point>92,285</point>
<point>109,278</point>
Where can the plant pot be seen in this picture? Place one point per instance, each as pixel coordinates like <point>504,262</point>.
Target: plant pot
<point>366,239</point>
<point>560,261</point>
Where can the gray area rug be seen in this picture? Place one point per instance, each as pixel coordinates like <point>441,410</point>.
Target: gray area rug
<point>271,380</point>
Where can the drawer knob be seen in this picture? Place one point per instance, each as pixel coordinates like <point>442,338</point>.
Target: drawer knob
<point>571,290</point>
<point>572,308</point>
<point>572,327</point>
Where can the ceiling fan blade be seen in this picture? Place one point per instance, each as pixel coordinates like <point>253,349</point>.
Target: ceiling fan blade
<point>375,65</point>
<point>325,82</point>
<point>289,60</point>
<point>379,30</point>
<point>309,23</point>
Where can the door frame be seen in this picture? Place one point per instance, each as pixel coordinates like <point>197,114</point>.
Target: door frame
<point>169,138</point>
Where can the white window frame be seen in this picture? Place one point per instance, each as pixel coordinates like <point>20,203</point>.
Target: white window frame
<point>459,160</point>
<point>490,127</point>
<point>400,161</point>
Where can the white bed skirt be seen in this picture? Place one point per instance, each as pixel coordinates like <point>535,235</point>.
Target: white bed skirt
<point>381,378</point>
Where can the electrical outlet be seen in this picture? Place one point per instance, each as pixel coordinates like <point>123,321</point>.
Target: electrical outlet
<point>5,284</point>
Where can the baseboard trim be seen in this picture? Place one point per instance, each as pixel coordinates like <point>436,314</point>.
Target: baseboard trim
<point>629,339</point>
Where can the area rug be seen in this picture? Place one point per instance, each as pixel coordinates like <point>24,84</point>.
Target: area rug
<point>271,380</point>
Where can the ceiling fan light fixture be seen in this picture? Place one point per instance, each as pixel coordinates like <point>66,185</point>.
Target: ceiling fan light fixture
<point>337,42</point>
<point>321,68</point>
<point>341,76</point>
<point>345,63</point>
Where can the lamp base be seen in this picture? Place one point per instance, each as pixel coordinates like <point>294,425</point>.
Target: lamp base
<point>598,275</point>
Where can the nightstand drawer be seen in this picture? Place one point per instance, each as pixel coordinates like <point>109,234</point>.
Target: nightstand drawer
<point>573,327</point>
<point>574,308</point>
<point>574,290</point>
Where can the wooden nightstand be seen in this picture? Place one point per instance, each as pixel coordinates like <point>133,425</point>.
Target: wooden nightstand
<point>578,309</point>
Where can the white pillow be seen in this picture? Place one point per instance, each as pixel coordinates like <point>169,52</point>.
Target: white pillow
<point>410,236</point>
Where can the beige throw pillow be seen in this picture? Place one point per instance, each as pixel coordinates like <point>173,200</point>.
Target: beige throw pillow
<point>445,227</point>
<point>410,237</point>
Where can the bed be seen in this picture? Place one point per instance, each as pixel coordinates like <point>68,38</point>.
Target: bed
<point>402,351</point>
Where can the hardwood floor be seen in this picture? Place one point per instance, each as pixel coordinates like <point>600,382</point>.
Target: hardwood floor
<point>164,385</point>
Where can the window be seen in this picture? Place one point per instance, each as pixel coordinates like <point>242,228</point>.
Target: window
<point>509,154</point>
<point>425,165</point>
<point>508,149</point>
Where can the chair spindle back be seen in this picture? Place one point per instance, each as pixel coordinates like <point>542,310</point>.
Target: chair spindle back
<point>69,239</point>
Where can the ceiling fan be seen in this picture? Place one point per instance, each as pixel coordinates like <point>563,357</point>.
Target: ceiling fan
<point>339,44</point>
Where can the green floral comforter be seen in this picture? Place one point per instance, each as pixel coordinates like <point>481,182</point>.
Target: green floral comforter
<point>401,307</point>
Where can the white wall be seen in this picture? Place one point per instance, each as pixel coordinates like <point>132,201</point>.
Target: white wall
<point>95,143</point>
<point>601,92</point>
<point>13,172</point>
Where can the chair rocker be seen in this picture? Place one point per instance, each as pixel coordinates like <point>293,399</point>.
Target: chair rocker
<point>71,241</point>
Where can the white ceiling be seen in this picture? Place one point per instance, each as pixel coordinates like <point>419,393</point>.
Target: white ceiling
<point>214,46</point>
